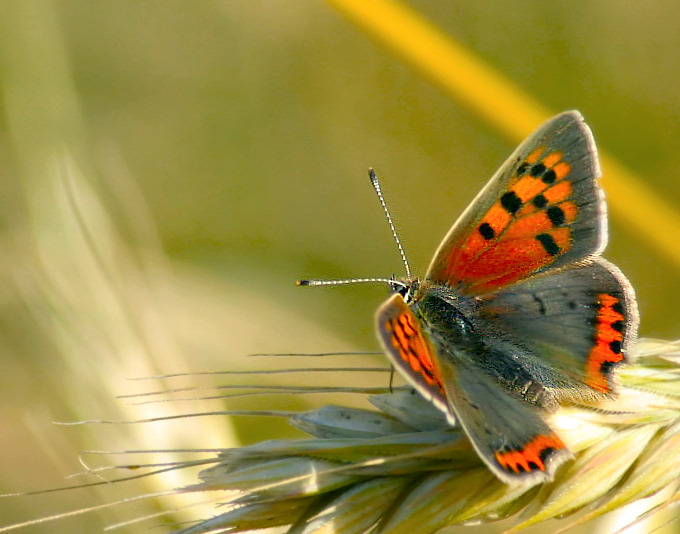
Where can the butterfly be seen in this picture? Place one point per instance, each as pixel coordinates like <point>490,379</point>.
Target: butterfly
<point>518,313</point>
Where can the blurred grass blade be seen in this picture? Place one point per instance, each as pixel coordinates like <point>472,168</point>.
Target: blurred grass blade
<point>355,510</point>
<point>447,64</point>
<point>657,467</point>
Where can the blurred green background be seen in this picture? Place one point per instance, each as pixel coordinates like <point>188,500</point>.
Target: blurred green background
<point>169,169</point>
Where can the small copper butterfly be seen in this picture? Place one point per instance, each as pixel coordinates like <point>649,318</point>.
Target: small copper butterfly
<point>518,312</point>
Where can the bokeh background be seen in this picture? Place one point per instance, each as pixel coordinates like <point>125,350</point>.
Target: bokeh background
<point>168,169</point>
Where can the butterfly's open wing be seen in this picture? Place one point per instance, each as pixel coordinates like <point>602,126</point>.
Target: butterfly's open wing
<point>580,322</point>
<point>410,351</point>
<point>541,210</point>
<point>509,434</point>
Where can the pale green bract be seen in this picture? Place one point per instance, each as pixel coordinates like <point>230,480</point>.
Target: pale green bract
<point>403,469</point>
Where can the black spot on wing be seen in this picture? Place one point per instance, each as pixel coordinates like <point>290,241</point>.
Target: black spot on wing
<point>556,215</point>
<point>486,231</point>
<point>541,306</point>
<point>511,202</point>
<point>549,177</point>
<point>619,326</point>
<point>537,170</point>
<point>548,244</point>
<point>545,453</point>
<point>540,201</point>
<point>607,367</point>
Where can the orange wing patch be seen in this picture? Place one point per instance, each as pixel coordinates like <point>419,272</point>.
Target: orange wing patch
<point>532,457</point>
<point>413,348</point>
<point>607,352</point>
<point>524,230</point>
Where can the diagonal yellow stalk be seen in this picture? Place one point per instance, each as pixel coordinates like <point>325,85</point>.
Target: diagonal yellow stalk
<point>495,98</point>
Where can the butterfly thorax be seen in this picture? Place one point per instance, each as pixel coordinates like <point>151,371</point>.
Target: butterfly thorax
<point>455,326</point>
<point>447,314</point>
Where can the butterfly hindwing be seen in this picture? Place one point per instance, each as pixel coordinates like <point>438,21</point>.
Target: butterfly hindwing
<point>579,321</point>
<point>509,435</point>
<point>541,210</point>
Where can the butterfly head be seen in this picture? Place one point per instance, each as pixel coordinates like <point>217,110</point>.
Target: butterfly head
<point>406,287</point>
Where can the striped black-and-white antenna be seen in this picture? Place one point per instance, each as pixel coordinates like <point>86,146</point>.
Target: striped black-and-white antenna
<point>376,186</point>
<point>390,281</point>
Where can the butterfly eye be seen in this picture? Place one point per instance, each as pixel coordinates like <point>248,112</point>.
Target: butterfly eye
<point>397,286</point>
<point>405,288</point>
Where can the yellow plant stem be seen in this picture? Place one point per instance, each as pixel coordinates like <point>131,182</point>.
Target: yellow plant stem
<point>470,81</point>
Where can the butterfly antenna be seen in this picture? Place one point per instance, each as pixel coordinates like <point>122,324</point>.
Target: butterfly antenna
<point>313,282</point>
<point>381,198</point>
<point>392,282</point>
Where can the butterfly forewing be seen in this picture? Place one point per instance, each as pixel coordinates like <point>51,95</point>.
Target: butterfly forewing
<point>410,350</point>
<point>541,210</point>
